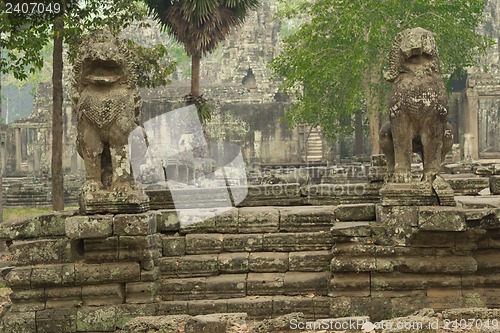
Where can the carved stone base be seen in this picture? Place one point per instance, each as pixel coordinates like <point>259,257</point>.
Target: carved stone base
<point>439,193</point>
<point>103,201</point>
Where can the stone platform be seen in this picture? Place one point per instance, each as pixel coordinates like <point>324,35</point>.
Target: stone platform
<point>95,273</point>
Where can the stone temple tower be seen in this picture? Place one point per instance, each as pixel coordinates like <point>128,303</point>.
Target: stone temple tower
<point>247,50</point>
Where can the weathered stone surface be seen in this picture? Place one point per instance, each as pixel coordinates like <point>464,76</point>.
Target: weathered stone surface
<point>410,281</point>
<point>155,323</point>
<point>201,307</point>
<point>27,299</point>
<point>302,283</point>
<point>355,264</point>
<point>101,250</point>
<point>408,194</point>
<point>19,322</point>
<point>351,229</point>
<point>295,219</point>
<point>19,277</point>
<point>204,243</point>
<point>495,185</point>
<point>233,262</point>
<point>183,289</point>
<point>168,221</point>
<point>261,307</point>
<point>198,221</point>
<point>56,320</point>
<point>265,284</point>
<point>103,294</point>
<point>134,248</point>
<point>355,212</point>
<point>109,272</point>
<point>226,286</point>
<point>42,251</point>
<point>441,264</point>
<point>63,297</point>
<point>197,265</point>
<point>213,323</point>
<point>258,219</point>
<point>306,241</point>
<point>53,275</point>
<point>174,246</point>
<point>228,221</point>
<point>444,192</point>
<point>441,219</point>
<point>350,284</point>
<point>126,312</point>
<point>243,243</point>
<point>45,225</point>
<point>310,261</point>
<point>95,226</point>
<point>96,319</point>
<point>141,292</point>
<point>268,262</point>
<point>397,215</point>
<point>134,224</point>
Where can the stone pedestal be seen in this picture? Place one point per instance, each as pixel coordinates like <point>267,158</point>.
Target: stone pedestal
<point>439,193</point>
<point>102,201</point>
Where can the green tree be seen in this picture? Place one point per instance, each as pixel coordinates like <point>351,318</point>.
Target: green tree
<point>200,25</point>
<point>333,64</point>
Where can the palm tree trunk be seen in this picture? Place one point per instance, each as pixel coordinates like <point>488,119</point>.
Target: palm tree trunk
<point>57,125</point>
<point>195,74</point>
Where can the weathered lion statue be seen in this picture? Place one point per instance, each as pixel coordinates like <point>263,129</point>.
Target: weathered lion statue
<point>418,107</point>
<point>107,105</point>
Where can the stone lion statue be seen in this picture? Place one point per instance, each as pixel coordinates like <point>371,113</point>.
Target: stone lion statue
<point>107,105</point>
<point>418,107</point>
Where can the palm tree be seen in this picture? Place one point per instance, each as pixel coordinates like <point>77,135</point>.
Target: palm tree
<point>199,25</point>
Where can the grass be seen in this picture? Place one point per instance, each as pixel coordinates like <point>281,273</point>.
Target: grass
<point>11,213</point>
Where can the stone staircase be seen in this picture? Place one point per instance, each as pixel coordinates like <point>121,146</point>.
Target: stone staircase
<point>314,146</point>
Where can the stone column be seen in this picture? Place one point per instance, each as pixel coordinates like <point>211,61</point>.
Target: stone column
<point>471,116</point>
<point>18,149</point>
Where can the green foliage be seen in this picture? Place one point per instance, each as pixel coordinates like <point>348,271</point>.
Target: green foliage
<point>333,64</point>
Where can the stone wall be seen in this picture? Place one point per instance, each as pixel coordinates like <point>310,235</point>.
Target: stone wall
<point>94,273</point>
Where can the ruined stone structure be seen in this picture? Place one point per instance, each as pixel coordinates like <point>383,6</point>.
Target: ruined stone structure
<point>96,273</point>
<point>107,104</point>
<point>418,107</point>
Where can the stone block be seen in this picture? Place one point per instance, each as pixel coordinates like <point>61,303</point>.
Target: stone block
<point>351,229</point>
<point>92,226</point>
<point>63,297</point>
<point>495,185</point>
<point>126,312</point>
<point>19,322</point>
<point>53,275</point>
<point>310,261</point>
<point>150,275</point>
<point>399,216</point>
<point>266,284</point>
<point>46,225</point>
<point>172,307</point>
<point>42,251</point>
<point>268,262</point>
<point>197,221</point>
<point>197,265</point>
<point>304,283</point>
<point>161,323</point>
<point>174,246</point>
<point>204,243</point>
<point>107,273</point>
<point>168,221</point>
<point>25,300</point>
<point>226,286</point>
<point>182,289</point>
<point>227,222</point>
<point>258,308</point>
<point>396,281</point>
<point>203,307</point>
<point>236,262</point>
<point>433,239</point>
<point>101,250</point>
<point>441,219</point>
<point>350,284</point>
<point>285,305</point>
<point>96,319</point>
<point>103,294</point>
<point>305,241</point>
<point>19,277</point>
<point>205,324</point>
<point>56,320</point>
<point>168,266</point>
<point>258,219</point>
<point>135,248</point>
<point>354,264</point>
<point>134,224</point>
<point>316,218</point>
<point>141,292</point>
<point>355,212</point>
<point>439,264</point>
<point>243,243</point>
